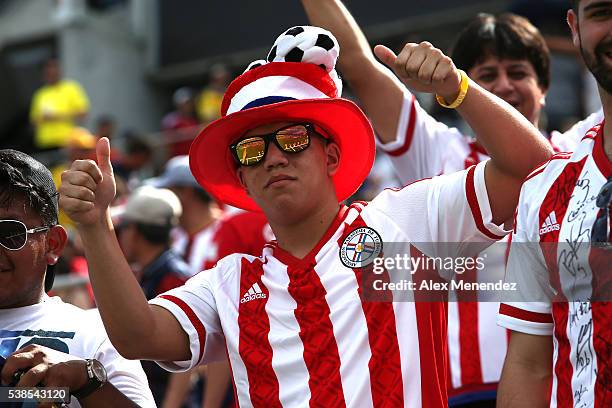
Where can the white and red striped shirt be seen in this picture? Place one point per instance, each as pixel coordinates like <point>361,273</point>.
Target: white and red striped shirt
<point>424,148</point>
<point>196,249</point>
<point>302,331</point>
<point>241,232</point>
<point>556,270</point>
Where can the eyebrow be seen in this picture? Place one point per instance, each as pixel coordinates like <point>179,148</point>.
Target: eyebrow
<point>519,65</point>
<point>11,217</point>
<point>522,64</point>
<point>487,68</point>
<point>598,5</point>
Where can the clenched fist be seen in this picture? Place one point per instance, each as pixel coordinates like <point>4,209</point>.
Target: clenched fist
<point>88,188</point>
<point>423,68</point>
<point>37,366</point>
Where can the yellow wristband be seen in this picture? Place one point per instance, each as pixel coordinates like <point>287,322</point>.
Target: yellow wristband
<point>463,89</point>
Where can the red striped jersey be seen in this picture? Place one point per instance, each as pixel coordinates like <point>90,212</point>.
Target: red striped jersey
<point>243,232</point>
<point>423,148</point>
<point>556,212</point>
<point>303,331</point>
<point>197,249</point>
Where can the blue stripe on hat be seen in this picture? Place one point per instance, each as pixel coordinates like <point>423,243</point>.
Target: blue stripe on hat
<point>268,100</point>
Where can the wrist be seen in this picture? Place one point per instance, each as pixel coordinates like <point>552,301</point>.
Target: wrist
<point>103,223</point>
<point>80,375</point>
<point>95,379</point>
<point>453,100</point>
<point>451,94</point>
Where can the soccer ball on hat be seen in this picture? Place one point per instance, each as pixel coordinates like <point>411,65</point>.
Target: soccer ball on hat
<point>308,44</point>
<point>255,64</point>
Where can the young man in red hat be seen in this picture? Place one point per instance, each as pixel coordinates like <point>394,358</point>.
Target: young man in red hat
<point>298,323</point>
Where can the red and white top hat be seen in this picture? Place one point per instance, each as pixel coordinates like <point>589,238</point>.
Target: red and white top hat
<point>298,83</point>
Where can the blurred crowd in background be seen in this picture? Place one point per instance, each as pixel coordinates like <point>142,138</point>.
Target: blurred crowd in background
<point>61,107</point>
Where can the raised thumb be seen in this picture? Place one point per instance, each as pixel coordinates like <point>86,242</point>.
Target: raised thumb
<point>103,156</point>
<point>386,55</point>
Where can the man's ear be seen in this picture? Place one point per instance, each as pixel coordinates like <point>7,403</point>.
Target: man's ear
<point>332,151</point>
<point>572,22</point>
<point>240,176</point>
<point>56,241</point>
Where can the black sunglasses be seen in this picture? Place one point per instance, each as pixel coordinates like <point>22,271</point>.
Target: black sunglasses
<point>295,138</point>
<point>14,234</point>
<point>601,228</point>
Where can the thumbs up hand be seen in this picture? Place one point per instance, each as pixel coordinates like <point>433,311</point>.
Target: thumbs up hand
<point>88,188</point>
<point>423,68</point>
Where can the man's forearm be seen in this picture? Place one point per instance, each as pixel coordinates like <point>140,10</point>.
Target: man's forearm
<point>380,92</point>
<point>514,144</point>
<point>527,372</point>
<point>107,396</point>
<point>334,16</point>
<point>124,309</point>
<point>522,386</point>
<point>177,389</point>
<point>218,378</point>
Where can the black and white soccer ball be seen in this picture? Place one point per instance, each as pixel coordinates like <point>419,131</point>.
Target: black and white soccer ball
<point>308,44</point>
<point>255,64</point>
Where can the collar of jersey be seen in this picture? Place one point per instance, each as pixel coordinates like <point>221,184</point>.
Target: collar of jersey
<point>599,154</point>
<point>309,260</point>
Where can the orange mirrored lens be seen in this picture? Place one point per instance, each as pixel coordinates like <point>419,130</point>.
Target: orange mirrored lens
<point>251,150</point>
<point>293,139</point>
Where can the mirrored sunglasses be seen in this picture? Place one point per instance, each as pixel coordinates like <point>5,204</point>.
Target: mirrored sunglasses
<point>14,234</point>
<point>251,150</point>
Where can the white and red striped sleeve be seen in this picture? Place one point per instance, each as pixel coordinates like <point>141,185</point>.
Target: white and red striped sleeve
<point>193,306</point>
<point>452,208</point>
<point>422,145</point>
<point>527,309</point>
<point>568,140</point>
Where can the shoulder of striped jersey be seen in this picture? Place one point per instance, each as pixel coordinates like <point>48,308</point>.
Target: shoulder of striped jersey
<point>592,132</point>
<point>557,159</point>
<point>231,263</point>
<point>554,160</point>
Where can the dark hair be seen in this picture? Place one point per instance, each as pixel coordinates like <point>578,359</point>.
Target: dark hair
<point>51,59</point>
<point>136,144</point>
<point>504,36</point>
<point>575,5</point>
<point>105,120</point>
<point>21,176</point>
<point>155,234</point>
<point>202,195</point>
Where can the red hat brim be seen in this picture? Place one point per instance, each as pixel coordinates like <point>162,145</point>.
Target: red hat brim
<point>214,167</point>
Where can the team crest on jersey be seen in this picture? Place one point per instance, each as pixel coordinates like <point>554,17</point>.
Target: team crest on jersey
<point>360,248</point>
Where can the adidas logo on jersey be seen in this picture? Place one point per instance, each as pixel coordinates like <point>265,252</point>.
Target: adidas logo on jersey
<point>550,224</point>
<point>253,293</point>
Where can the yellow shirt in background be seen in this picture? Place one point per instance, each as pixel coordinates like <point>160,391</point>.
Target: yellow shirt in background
<point>208,105</point>
<point>65,98</point>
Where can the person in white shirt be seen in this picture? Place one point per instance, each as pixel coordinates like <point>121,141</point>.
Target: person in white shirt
<point>31,242</point>
<point>301,324</point>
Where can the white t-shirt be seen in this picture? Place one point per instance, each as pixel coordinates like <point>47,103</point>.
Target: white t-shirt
<point>80,333</point>
<point>316,331</point>
<point>557,272</point>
